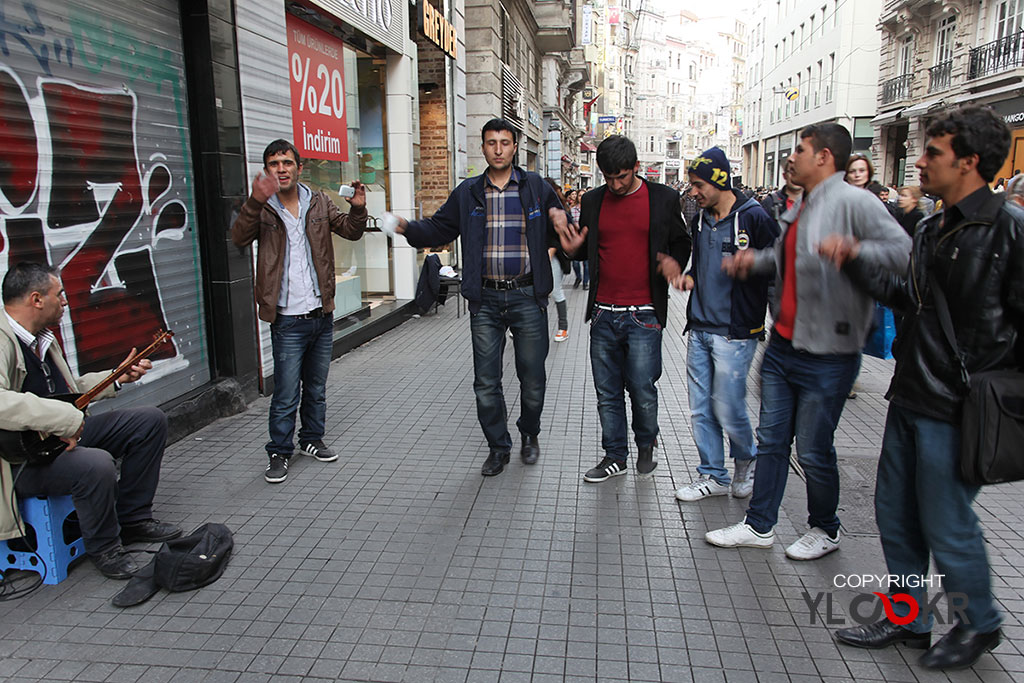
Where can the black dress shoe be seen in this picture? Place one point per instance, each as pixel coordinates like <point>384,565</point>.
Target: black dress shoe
<point>645,462</point>
<point>882,634</point>
<point>115,563</point>
<point>960,648</point>
<point>530,450</point>
<point>494,464</point>
<point>148,531</point>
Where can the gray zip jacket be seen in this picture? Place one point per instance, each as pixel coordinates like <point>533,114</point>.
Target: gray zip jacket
<point>833,316</point>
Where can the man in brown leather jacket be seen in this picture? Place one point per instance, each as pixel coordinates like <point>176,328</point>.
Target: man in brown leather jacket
<point>295,294</point>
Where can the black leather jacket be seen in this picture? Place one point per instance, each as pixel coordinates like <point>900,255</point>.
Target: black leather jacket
<point>979,263</point>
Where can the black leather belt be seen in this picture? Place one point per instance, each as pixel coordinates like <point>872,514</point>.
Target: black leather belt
<point>315,313</point>
<point>521,281</point>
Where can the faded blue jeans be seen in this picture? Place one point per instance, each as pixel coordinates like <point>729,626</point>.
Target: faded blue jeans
<point>625,353</point>
<point>302,357</point>
<point>500,311</point>
<point>716,374</point>
<point>922,506</point>
<point>802,397</point>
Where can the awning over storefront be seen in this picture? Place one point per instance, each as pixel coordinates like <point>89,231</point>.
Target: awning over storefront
<point>587,146</point>
<point>886,117</point>
<point>920,108</point>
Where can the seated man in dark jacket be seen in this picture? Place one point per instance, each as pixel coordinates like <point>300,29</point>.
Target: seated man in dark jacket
<point>974,252</point>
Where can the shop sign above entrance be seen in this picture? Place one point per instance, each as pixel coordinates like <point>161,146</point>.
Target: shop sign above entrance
<point>316,73</point>
<point>380,19</point>
<point>438,30</point>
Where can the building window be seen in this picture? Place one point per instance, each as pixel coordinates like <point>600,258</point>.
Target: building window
<point>831,77</point>
<point>905,63</point>
<point>1008,16</point>
<point>944,39</point>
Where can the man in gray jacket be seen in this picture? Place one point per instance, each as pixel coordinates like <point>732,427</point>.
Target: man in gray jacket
<point>814,352</point>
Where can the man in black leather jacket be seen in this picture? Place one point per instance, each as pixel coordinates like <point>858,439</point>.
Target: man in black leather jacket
<point>974,251</point>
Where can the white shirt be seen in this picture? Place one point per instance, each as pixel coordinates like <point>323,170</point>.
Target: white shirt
<point>298,283</point>
<point>39,343</point>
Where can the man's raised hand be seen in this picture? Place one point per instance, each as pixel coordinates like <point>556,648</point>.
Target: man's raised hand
<point>263,186</point>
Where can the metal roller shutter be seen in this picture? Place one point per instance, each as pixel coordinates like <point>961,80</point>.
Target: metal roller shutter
<point>97,180</point>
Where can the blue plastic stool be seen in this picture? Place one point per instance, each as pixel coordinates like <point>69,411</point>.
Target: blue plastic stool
<point>46,519</point>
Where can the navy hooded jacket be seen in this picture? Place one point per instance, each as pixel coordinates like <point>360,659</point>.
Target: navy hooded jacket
<point>719,304</point>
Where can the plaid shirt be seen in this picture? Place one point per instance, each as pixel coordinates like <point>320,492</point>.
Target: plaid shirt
<point>505,250</point>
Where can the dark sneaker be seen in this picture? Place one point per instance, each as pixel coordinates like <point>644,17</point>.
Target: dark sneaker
<point>148,531</point>
<point>318,450</point>
<point>115,563</point>
<point>606,469</point>
<point>277,469</point>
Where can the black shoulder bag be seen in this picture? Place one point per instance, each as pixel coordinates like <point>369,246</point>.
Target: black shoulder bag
<point>992,426</point>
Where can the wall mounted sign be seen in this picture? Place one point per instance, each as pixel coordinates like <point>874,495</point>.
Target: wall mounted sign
<point>316,73</point>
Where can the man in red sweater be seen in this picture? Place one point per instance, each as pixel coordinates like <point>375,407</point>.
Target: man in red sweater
<point>633,236</point>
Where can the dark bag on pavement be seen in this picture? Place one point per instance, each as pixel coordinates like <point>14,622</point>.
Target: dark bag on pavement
<point>992,426</point>
<point>181,564</point>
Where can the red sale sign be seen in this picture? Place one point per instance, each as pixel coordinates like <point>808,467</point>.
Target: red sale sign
<point>317,69</point>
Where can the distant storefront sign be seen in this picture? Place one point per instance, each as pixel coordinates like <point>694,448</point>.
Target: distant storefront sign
<point>587,25</point>
<point>606,119</point>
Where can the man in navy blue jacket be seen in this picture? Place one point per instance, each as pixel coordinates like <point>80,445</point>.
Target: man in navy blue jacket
<point>506,219</point>
<point>724,317</point>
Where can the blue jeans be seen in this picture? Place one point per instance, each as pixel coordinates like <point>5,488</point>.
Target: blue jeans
<point>922,505</point>
<point>516,310</point>
<point>302,357</point>
<point>625,353</point>
<point>716,374</point>
<point>802,396</point>
<point>581,269</point>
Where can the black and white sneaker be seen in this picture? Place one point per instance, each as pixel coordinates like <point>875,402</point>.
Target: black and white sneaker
<point>318,450</point>
<point>606,469</point>
<point>277,469</point>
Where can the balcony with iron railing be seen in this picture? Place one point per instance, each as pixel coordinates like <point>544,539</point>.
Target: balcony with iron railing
<point>940,76</point>
<point>896,89</point>
<point>998,56</point>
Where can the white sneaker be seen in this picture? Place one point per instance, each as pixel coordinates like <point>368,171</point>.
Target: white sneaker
<point>740,535</point>
<point>812,545</point>
<point>703,487</point>
<point>743,478</point>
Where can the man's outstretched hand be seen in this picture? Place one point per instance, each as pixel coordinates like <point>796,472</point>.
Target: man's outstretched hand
<point>570,235</point>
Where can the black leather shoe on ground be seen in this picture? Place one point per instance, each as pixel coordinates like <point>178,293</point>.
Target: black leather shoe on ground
<point>494,464</point>
<point>645,462</point>
<point>148,531</point>
<point>116,563</point>
<point>882,634</point>
<point>530,450</point>
<point>960,648</point>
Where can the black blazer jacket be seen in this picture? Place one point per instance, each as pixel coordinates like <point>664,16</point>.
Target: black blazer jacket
<point>668,235</point>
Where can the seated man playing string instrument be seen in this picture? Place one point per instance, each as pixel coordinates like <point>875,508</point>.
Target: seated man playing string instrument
<point>112,512</point>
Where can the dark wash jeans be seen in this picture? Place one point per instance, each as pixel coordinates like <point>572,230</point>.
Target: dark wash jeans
<point>802,397</point>
<point>500,311</point>
<point>922,505</point>
<point>87,472</point>
<point>625,354</point>
<point>302,357</point>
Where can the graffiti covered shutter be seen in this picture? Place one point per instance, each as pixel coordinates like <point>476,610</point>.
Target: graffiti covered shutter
<point>97,180</point>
